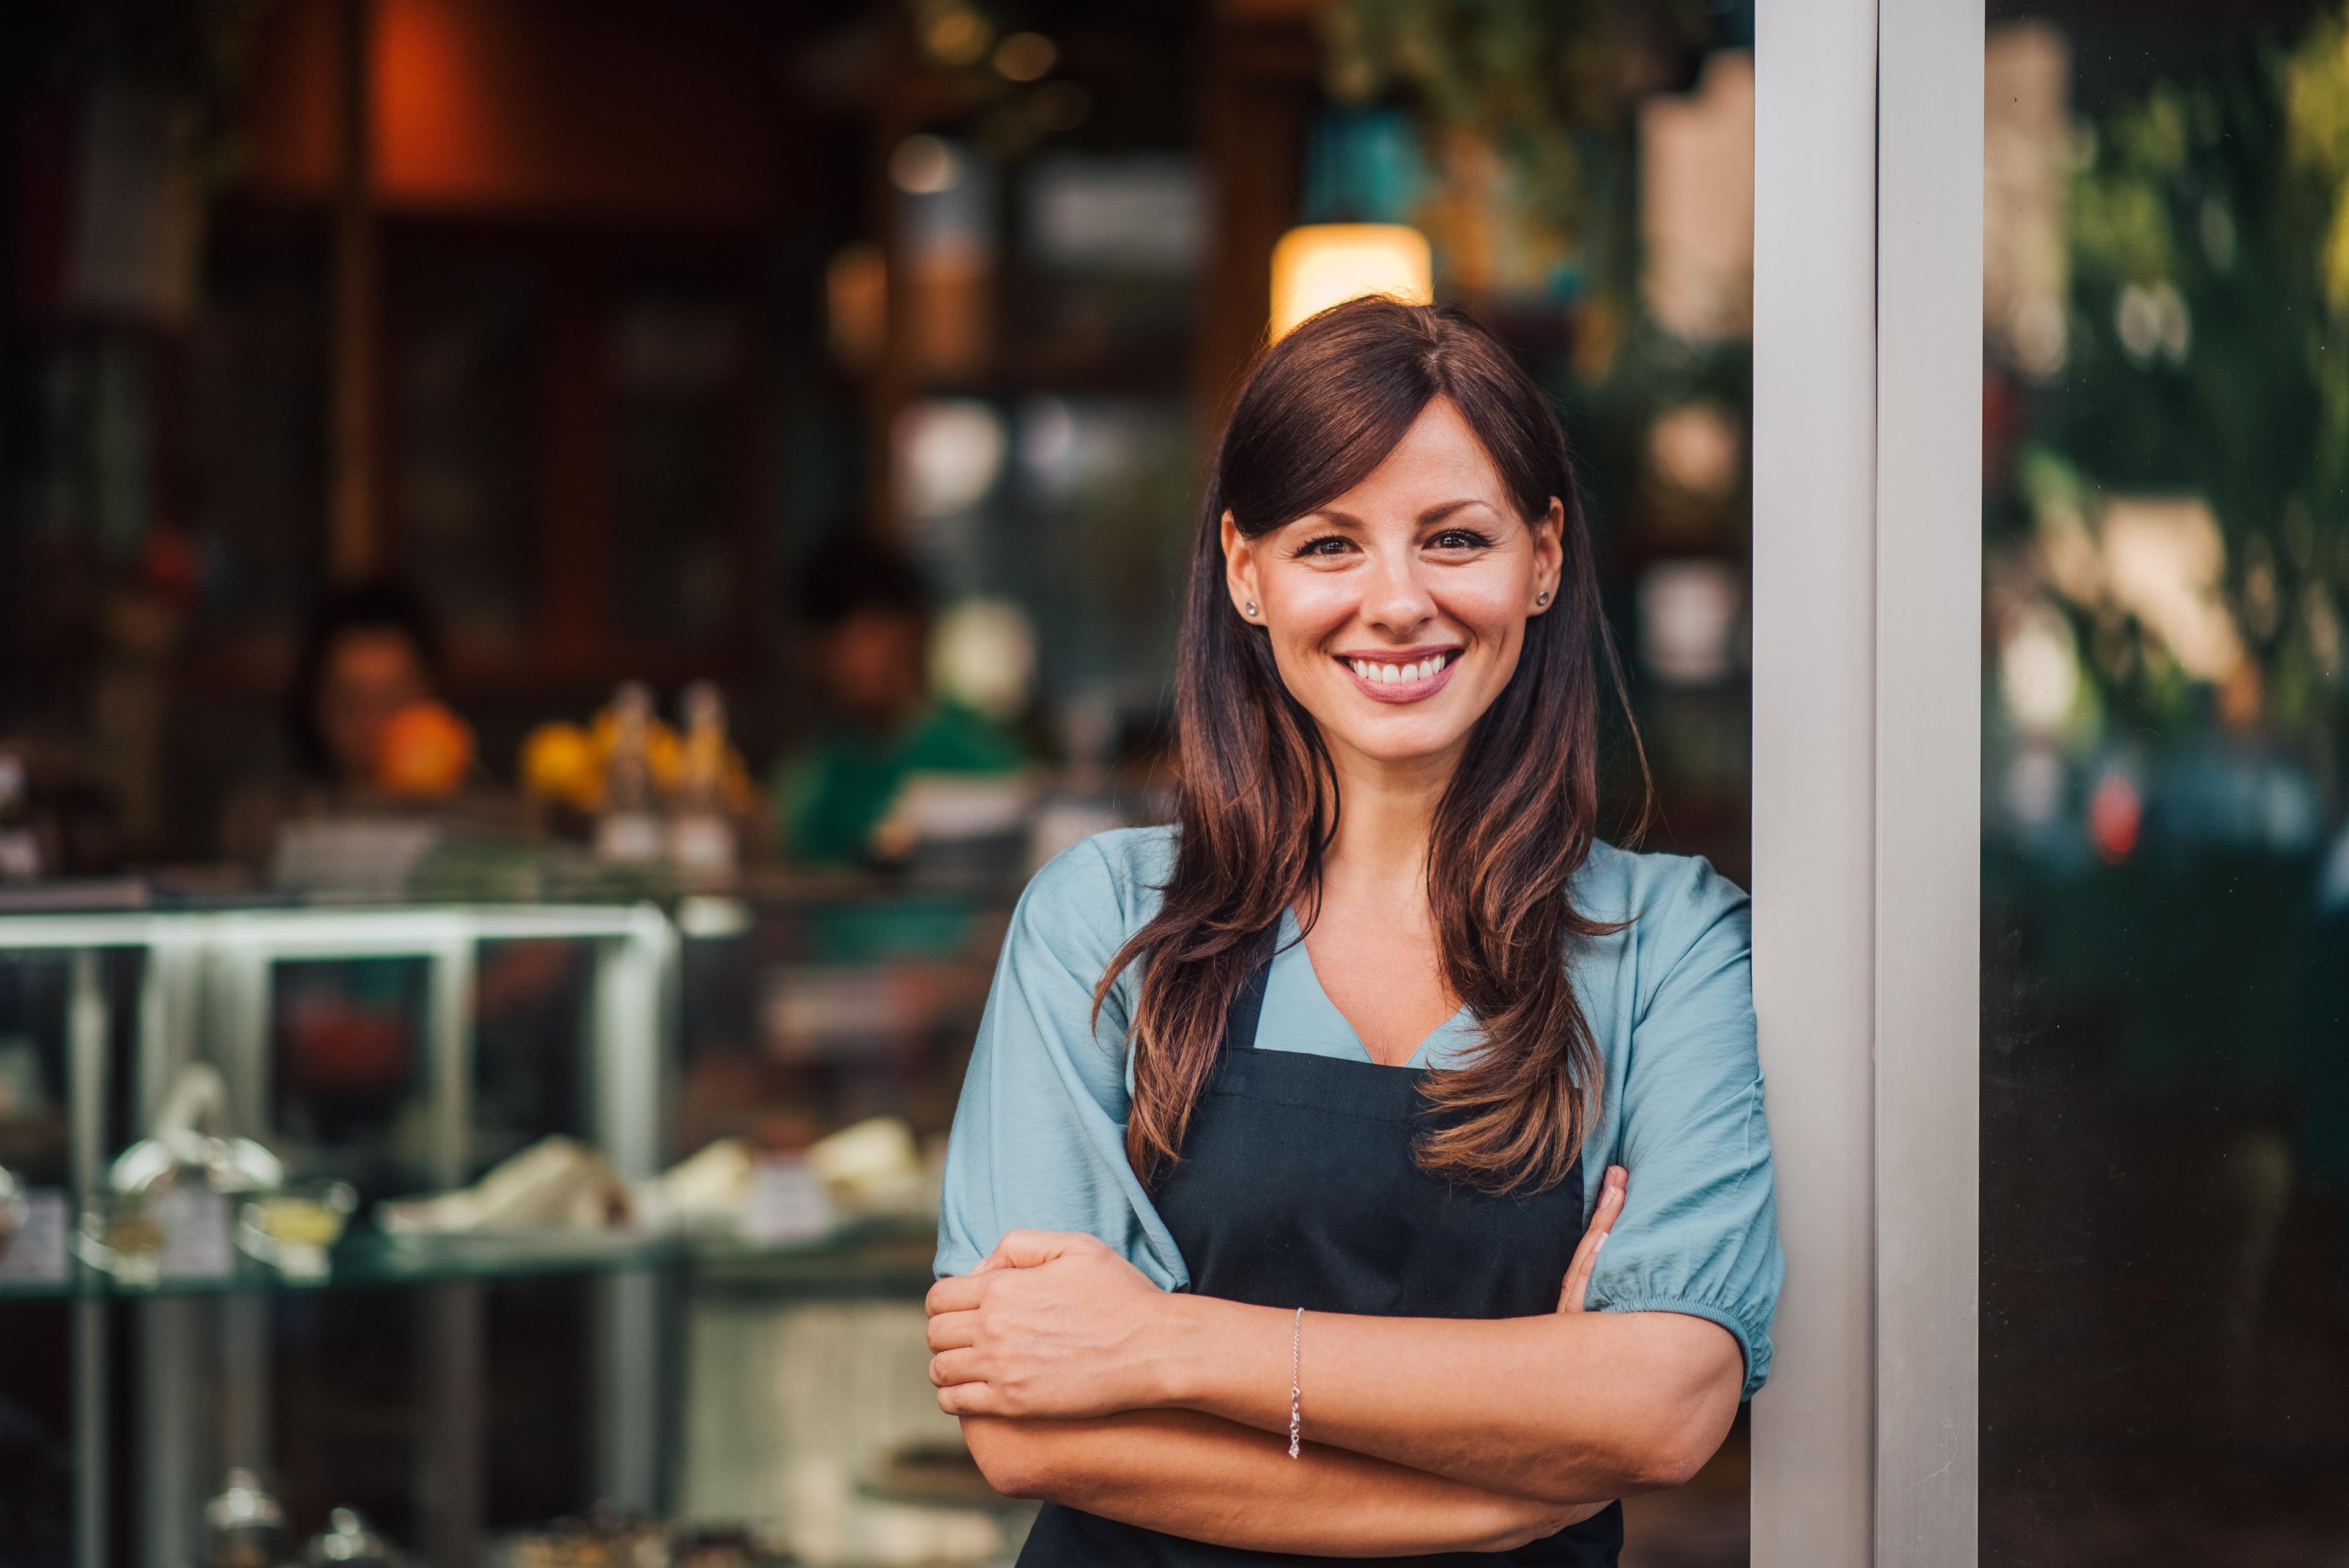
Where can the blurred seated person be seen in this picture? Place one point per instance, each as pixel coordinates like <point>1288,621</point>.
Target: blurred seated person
<point>870,614</point>
<point>369,651</point>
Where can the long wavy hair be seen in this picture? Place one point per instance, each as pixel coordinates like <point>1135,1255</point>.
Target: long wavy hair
<point>1320,411</point>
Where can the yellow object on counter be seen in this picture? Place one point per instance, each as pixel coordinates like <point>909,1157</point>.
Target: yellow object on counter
<point>560,763</point>
<point>664,752</point>
<point>300,1221</point>
<point>567,763</point>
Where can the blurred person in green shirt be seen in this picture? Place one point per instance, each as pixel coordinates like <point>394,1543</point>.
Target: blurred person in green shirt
<point>871,615</point>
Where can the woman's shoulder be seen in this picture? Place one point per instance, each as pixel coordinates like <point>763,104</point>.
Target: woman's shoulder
<point>1099,890</point>
<point>1672,902</point>
<point>1676,975</point>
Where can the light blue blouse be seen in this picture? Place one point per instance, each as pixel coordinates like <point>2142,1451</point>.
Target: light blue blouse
<point>1038,1137</point>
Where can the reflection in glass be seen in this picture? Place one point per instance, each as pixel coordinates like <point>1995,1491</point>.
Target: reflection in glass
<point>2166,940</point>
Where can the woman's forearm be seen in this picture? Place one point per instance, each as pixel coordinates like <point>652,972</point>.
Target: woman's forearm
<point>1207,1478</point>
<point>1570,1407</point>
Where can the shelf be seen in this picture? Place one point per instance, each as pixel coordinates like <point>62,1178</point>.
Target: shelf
<point>888,1257</point>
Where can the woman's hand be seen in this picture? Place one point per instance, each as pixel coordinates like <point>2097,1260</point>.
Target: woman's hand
<point>1050,1323</point>
<point>1603,1215</point>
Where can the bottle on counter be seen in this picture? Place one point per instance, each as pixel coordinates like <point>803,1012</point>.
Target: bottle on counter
<point>348,1542</point>
<point>701,842</point>
<point>243,1526</point>
<point>629,830</point>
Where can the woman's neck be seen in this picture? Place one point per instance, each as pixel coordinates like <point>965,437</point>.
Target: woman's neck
<point>1386,817</point>
<point>1372,936</point>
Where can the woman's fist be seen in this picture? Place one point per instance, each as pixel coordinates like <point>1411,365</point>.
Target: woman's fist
<point>1051,1324</point>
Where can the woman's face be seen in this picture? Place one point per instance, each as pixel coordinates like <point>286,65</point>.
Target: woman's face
<point>370,674</point>
<point>1397,612</point>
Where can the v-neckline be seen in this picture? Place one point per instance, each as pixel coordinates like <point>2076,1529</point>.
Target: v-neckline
<point>1292,935</point>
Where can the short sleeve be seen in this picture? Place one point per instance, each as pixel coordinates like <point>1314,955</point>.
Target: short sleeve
<point>1699,1232</point>
<point>1038,1139</point>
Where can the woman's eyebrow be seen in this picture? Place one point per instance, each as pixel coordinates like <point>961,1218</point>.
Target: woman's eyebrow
<point>1427,518</point>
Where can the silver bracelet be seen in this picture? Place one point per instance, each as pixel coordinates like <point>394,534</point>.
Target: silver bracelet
<point>1296,1403</point>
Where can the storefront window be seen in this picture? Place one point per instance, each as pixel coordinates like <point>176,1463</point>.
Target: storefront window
<point>2165,1272</point>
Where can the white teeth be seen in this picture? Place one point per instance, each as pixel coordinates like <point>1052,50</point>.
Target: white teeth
<point>1397,674</point>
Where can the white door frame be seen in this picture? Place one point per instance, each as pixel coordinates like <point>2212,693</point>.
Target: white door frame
<point>1866,770</point>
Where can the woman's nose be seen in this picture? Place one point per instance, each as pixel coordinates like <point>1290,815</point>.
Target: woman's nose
<point>1399,599</point>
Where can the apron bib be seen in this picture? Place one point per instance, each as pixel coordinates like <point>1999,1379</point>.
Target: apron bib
<point>1296,1188</point>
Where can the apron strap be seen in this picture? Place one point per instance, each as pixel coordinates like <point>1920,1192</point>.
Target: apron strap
<point>1239,1023</point>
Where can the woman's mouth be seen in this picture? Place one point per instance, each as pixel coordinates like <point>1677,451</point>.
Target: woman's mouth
<point>1408,675</point>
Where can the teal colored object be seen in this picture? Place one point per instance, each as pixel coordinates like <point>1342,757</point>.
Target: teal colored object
<point>829,796</point>
<point>899,927</point>
<point>1363,166</point>
<point>1039,1139</point>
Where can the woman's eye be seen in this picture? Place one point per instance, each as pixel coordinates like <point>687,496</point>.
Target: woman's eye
<point>1327,544</point>
<point>1459,539</point>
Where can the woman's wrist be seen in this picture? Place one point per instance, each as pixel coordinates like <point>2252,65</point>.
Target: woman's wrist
<point>1223,1357</point>
<point>1183,1330</point>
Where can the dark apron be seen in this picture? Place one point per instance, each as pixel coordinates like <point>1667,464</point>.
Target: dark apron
<point>1296,1188</point>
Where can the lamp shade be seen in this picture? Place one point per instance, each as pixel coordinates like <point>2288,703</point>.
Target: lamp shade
<point>1322,264</point>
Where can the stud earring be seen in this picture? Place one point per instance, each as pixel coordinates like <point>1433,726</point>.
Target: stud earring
<point>1542,598</point>
<point>1249,609</point>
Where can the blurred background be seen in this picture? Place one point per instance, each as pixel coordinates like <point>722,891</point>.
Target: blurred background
<point>560,564</point>
<point>591,329</point>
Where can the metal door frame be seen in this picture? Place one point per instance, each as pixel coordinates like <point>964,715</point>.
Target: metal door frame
<point>1866,770</point>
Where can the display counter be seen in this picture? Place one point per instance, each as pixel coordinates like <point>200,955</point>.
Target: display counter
<point>326,1334</point>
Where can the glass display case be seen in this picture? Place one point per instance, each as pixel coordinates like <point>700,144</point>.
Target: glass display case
<point>218,1120</point>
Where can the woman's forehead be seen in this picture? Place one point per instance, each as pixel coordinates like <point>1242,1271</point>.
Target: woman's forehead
<point>1439,460</point>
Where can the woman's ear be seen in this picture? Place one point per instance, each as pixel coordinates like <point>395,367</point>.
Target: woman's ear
<point>1549,555</point>
<point>1241,574</point>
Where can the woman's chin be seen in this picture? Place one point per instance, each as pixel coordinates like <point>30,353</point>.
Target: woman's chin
<point>1417,742</point>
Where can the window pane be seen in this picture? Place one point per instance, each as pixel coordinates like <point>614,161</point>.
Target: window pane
<point>2165,913</point>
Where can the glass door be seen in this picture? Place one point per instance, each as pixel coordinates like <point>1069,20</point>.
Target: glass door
<point>2165,870</point>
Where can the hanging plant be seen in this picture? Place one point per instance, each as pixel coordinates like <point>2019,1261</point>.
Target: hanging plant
<point>1522,107</point>
<point>2206,360</point>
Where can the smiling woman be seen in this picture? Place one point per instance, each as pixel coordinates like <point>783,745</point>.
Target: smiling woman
<point>1298,1129</point>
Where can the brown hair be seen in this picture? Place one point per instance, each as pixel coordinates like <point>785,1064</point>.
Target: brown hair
<point>1319,411</point>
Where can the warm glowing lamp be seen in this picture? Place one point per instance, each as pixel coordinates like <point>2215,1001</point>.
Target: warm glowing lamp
<point>1322,264</point>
